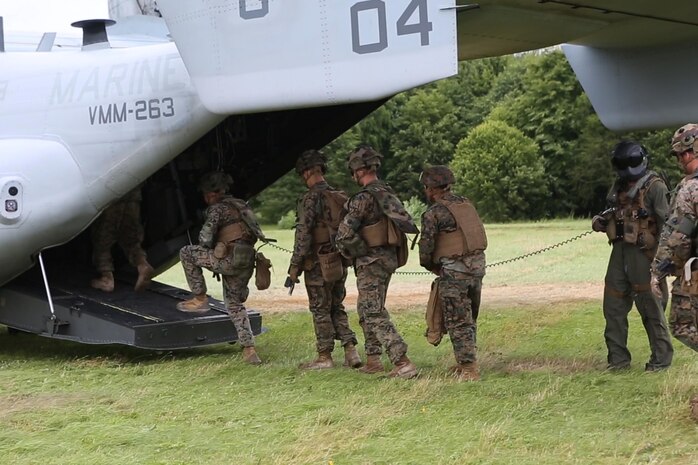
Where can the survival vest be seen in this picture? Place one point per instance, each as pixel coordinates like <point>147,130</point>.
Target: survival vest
<point>631,222</point>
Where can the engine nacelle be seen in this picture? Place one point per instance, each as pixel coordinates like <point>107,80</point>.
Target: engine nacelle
<point>43,201</point>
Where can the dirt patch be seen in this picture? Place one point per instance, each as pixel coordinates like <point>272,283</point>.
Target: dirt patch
<point>402,295</point>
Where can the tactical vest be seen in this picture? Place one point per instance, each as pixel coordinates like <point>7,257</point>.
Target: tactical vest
<point>325,228</point>
<point>469,235</point>
<point>395,222</point>
<point>631,221</point>
<point>241,226</point>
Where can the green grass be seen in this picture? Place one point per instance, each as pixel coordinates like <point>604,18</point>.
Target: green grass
<point>544,397</point>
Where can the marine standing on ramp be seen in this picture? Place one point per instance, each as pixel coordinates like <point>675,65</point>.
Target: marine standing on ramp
<point>638,208</point>
<point>318,215</point>
<point>371,233</point>
<point>677,245</point>
<point>226,247</point>
<point>120,223</point>
<point>452,245</point>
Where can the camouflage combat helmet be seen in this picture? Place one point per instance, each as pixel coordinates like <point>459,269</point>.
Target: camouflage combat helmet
<point>437,176</point>
<point>685,138</point>
<point>363,156</point>
<point>311,158</point>
<point>215,181</point>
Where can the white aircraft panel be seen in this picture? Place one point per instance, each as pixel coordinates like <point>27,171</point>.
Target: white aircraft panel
<point>256,55</point>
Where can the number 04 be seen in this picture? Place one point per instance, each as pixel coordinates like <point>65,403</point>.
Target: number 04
<point>422,27</point>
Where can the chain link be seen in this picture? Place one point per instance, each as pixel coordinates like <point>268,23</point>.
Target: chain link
<point>509,260</point>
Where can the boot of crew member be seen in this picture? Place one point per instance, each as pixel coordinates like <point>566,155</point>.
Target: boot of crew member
<point>351,356</point>
<point>467,371</point>
<point>104,283</point>
<point>373,365</point>
<point>197,304</point>
<point>322,362</point>
<point>145,275</point>
<point>249,355</point>
<point>404,368</point>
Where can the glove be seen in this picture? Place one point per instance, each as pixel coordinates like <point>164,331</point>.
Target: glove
<point>655,286</point>
<point>599,223</point>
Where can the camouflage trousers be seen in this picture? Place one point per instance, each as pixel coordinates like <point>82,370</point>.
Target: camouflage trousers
<point>460,297</point>
<point>627,281</point>
<point>120,223</point>
<point>326,305</point>
<point>683,317</point>
<point>372,282</point>
<point>235,291</point>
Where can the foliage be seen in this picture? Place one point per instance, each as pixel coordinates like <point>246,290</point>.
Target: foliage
<point>536,93</point>
<point>415,208</point>
<point>500,170</point>
<point>288,221</point>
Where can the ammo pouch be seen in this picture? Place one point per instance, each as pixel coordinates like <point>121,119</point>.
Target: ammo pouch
<point>689,278</point>
<point>220,251</point>
<point>243,257</point>
<point>434,316</point>
<point>331,266</point>
<point>262,275</point>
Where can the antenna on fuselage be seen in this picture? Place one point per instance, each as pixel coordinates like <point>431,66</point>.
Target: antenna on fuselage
<point>94,33</point>
<point>2,37</point>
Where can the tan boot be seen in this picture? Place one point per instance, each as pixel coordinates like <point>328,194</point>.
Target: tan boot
<point>104,283</point>
<point>145,274</point>
<point>373,365</point>
<point>322,362</point>
<point>694,408</point>
<point>468,371</point>
<point>249,355</point>
<point>351,356</point>
<point>404,368</point>
<point>197,304</point>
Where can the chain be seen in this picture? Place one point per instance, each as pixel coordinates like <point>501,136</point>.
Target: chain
<point>520,257</point>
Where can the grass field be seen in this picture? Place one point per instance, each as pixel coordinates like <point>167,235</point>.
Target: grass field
<point>544,397</point>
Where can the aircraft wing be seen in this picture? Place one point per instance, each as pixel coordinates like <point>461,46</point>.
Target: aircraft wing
<point>633,58</point>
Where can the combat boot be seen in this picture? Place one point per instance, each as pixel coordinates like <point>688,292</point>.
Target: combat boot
<point>467,371</point>
<point>145,274</point>
<point>249,355</point>
<point>694,408</point>
<point>351,356</point>
<point>197,304</point>
<point>404,368</point>
<point>373,365</point>
<point>104,283</point>
<point>322,362</point>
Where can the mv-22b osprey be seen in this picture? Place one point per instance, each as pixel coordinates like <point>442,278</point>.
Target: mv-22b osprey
<point>244,86</point>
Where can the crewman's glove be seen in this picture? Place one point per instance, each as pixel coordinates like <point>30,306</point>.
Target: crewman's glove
<point>599,223</point>
<point>655,286</point>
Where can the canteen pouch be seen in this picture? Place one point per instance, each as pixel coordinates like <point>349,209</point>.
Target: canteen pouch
<point>243,257</point>
<point>262,275</point>
<point>330,266</point>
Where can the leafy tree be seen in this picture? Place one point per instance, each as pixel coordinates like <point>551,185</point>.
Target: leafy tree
<point>499,169</point>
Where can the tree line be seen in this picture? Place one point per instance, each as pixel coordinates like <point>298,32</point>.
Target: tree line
<point>519,133</point>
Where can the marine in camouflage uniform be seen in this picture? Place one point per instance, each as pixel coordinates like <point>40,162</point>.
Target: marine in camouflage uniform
<point>677,245</point>
<point>374,260</point>
<point>453,248</point>
<point>226,247</point>
<point>318,213</point>
<point>120,223</point>
<point>638,207</point>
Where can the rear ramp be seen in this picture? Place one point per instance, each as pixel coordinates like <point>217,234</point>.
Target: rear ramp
<point>148,320</point>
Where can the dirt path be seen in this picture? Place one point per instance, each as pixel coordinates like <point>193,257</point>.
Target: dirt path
<point>416,294</point>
